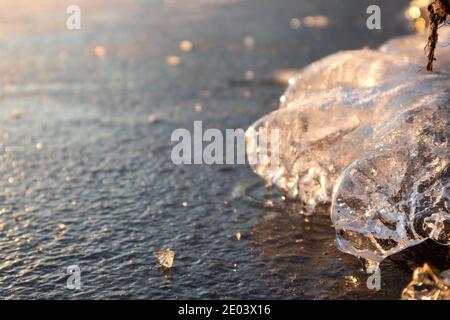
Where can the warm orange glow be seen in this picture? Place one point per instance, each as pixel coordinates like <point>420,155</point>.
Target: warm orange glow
<point>173,61</point>
<point>414,12</point>
<point>186,46</point>
<point>420,25</point>
<point>100,51</point>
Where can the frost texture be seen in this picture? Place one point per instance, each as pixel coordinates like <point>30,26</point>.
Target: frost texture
<point>369,132</point>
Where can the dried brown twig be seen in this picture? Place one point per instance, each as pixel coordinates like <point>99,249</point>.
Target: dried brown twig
<point>438,11</point>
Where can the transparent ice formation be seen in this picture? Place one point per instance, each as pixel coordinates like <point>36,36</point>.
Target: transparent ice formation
<point>165,258</point>
<point>367,131</point>
<point>428,284</point>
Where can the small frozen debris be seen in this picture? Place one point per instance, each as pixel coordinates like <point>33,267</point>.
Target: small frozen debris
<point>427,284</point>
<point>165,258</point>
<point>351,280</point>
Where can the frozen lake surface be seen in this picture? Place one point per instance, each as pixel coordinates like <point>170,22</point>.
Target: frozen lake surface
<point>85,171</point>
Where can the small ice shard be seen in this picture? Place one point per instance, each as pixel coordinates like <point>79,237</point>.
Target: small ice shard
<point>427,284</point>
<point>165,258</point>
<point>351,280</point>
<point>369,132</point>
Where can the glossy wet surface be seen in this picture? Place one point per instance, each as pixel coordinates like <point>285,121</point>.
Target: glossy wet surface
<point>86,178</point>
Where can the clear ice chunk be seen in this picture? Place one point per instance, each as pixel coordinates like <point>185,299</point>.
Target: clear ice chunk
<point>367,131</point>
<point>427,284</point>
<point>165,258</point>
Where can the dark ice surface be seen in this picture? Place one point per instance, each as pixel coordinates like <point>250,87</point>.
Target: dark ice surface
<point>86,178</point>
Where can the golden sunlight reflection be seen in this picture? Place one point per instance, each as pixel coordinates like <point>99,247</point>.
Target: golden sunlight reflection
<point>414,12</point>
<point>173,60</point>
<point>372,76</point>
<point>417,14</point>
<point>100,51</point>
<point>295,23</point>
<point>249,42</point>
<point>285,76</point>
<point>86,120</point>
<point>316,21</point>
<point>186,46</point>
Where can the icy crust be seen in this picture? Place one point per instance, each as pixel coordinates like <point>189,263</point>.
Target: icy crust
<point>369,132</point>
<point>397,193</point>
